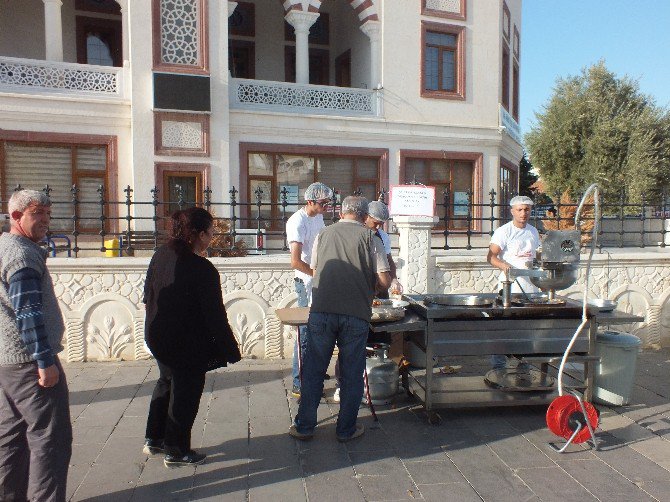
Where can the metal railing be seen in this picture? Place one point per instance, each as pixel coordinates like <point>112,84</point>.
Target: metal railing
<point>88,225</point>
<point>85,226</point>
<point>642,221</point>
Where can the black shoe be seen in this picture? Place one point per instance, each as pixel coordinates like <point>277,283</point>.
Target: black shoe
<point>191,458</point>
<point>153,446</point>
<point>295,392</point>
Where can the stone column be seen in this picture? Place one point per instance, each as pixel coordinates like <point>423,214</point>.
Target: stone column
<point>414,257</point>
<point>373,30</point>
<point>53,30</point>
<point>301,22</point>
<point>125,30</point>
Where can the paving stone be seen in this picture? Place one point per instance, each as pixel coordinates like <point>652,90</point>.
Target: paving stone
<point>542,438</point>
<point>278,485</point>
<point>121,450</point>
<point>229,406</point>
<point>377,463</point>
<point>655,449</point>
<point>314,462</point>
<point>334,486</point>
<point>624,428</point>
<point>453,492</point>
<point>433,472</point>
<point>130,426</point>
<point>491,454</point>
<point>75,475</point>
<point>109,482</point>
<point>517,452</point>
<point>648,475</point>
<point>84,433</point>
<point>553,483</point>
<point>388,488</point>
<point>84,454</point>
<point>601,480</point>
<point>157,482</point>
<point>229,483</point>
<point>490,477</point>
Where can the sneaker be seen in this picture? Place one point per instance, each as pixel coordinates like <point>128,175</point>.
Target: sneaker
<point>357,433</point>
<point>153,446</point>
<point>295,392</point>
<point>299,435</point>
<point>336,395</point>
<point>191,458</point>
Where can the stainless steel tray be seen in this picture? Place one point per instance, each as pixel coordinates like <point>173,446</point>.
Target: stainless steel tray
<point>460,300</point>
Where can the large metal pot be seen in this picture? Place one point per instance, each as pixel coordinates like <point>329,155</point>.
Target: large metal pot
<point>382,374</point>
<point>560,277</point>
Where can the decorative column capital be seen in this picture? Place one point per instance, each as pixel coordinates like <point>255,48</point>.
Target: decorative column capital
<point>301,21</point>
<point>372,29</point>
<point>231,7</point>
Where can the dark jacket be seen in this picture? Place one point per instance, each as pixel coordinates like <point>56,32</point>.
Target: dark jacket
<point>186,325</point>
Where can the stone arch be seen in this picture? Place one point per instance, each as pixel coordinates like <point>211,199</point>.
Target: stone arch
<point>366,10</point>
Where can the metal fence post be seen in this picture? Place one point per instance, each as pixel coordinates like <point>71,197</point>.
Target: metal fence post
<point>75,230</point>
<point>284,202</point>
<point>233,216</point>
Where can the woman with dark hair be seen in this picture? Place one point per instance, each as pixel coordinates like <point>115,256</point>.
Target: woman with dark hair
<point>187,331</point>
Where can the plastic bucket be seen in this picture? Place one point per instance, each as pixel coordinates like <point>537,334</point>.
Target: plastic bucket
<point>615,373</point>
<point>112,246</point>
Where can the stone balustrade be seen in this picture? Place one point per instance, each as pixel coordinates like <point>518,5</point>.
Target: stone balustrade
<point>289,97</point>
<point>17,74</point>
<point>101,298</point>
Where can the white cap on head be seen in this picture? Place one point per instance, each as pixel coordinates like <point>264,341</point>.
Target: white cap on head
<point>521,199</point>
<point>377,210</point>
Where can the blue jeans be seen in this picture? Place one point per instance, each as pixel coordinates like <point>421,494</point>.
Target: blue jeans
<point>301,291</point>
<point>351,334</point>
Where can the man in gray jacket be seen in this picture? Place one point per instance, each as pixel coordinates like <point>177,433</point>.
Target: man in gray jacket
<point>35,428</point>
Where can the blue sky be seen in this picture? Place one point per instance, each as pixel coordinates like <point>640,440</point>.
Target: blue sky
<point>560,37</point>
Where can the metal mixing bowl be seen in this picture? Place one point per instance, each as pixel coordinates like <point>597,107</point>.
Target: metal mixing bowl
<point>603,305</point>
<point>558,278</point>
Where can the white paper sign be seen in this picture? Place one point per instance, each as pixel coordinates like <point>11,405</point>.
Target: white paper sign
<point>412,200</point>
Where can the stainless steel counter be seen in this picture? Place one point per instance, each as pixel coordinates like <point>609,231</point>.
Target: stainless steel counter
<point>539,332</point>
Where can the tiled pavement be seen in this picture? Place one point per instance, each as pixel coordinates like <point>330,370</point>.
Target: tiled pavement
<point>494,454</point>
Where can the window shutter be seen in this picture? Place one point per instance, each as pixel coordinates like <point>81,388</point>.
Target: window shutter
<point>35,167</point>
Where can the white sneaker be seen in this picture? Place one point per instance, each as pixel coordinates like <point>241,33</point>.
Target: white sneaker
<point>336,395</point>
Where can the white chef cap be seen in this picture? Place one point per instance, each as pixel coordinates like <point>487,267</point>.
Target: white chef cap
<point>521,199</point>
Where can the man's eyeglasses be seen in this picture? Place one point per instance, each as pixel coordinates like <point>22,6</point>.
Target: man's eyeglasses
<point>322,203</point>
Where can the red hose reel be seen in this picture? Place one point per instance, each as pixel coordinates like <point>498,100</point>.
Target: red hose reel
<point>573,419</point>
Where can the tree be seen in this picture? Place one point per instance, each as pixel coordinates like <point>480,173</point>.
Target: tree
<point>598,128</point>
<point>526,176</point>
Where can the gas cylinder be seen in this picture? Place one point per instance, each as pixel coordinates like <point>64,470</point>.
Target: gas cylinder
<point>382,374</point>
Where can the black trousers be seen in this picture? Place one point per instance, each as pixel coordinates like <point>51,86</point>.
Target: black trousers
<point>174,405</point>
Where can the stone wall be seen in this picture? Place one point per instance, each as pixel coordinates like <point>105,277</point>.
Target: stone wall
<point>101,298</point>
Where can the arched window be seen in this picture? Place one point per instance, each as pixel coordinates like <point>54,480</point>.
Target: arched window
<point>97,51</point>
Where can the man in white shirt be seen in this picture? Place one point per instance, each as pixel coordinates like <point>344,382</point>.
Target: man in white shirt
<point>301,230</point>
<point>513,245</point>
